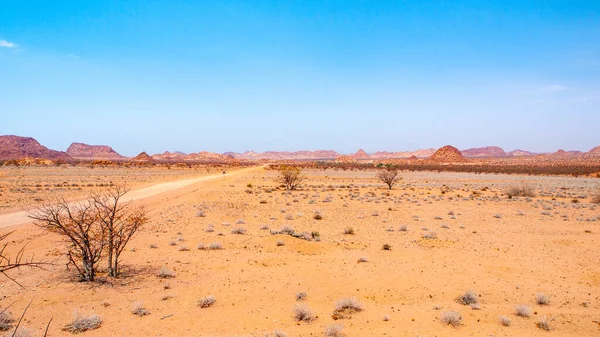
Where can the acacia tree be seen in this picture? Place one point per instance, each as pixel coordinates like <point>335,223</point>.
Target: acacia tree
<point>290,176</point>
<point>120,222</point>
<point>78,222</point>
<point>389,177</point>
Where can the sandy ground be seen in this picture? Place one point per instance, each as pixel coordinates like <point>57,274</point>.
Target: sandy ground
<point>504,250</point>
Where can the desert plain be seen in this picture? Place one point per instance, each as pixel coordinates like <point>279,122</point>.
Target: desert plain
<point>229,237</point>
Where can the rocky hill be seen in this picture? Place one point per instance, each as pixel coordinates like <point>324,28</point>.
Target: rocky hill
<point>360,154</point>
<point>406,154</point>
<point>447,154</point>
<point>595,151</point>
<point>484,152</point>
<point>283,155</point>
<point>143,157</point>
<point>16,147</point>
<point>85,151</point>
<point>519,153</point>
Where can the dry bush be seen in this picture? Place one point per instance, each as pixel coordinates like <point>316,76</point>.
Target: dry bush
<point>347,306</point>
<point>386,246</point>
<point>349,231</point>
<point>207,301</point>
<point>302,313</point>
<point>542,299</point>
<point>138,309</point>
<point>362,260</point>
<point>468,298</point>
<point>290,176</point>
<point>389,177</point>
<point>543,324</point>
<point>522,310</point>
<point>8,263</point>
<point>278,333</point>
<point>239,231</point>
<point>165,272</point>
<point>596,197</point>
<point>6,320</point>
<point>451,318</point>
<point>505,321</point>
<point>301,296</point>
<point>335,330</point>
<point>82,323</point>
<point>520,191</point>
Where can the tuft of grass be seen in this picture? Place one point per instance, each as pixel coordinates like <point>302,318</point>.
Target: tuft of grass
<point>238,230</point>
<point>184,248</point>
<point>278,333</point>
<point>363,260</point>
<point>403,228</point>
<point>335,330</point>
<point>520,191</point>
<point>207,301</point>
<point>138,309</point>
<point>522,310</point>
<point>543,324</point>
<point>504,321</point>
<point>318,216</point>
<point>451,318</point>
<point>301,296</point>
<point>82,323</point>
<point>152,246</point>
<point>165,272</point>
<point>280,243</point>
<point>468,298</point>
<point>542,299</point>
<point>349,231</point>
<point>429,235</point>
<point>348,306</point>
<point>386,246</point>
<point>302,313</point>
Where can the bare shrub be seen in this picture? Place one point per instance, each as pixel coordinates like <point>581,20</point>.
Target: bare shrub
<point>522,310</point>
<point>403,228</point>
<point>138,309</point>
<point>504,321</point>
<point>184,248</point>
<point>363,260</point>
<point>165,272</point>
<point>6,320</point>
<point>430,235</point>
<point>290,176</point>
<point>543,324</point>
<point>389,177</point>
<point>335,330</point>
<point>8,263</point>
<point>451,318</point>
<point>349,231</point>
<point>280,243</point>
<point>520,191</point>
<point>207,301</point>
<point>301,296</point>
<point>596,197</point>
<point>239,230</point>
<point>386,246</point>
<point>542,299</point>
<point>302,313</point>
<point>468,298</point>
<point>82,323</point>
<point>278,333</point>
<point>347,306</point>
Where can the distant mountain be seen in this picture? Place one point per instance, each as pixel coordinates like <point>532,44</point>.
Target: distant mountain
<point>281,155</point>
<point>595,150</point>
<point>407,154</point>
<point>484,152</point>
<point>143,157</point>
<point>85,151</point>
<point>360,154</point>
<point>447,154</point>
<point>16,147</point>
<point>520,153</point>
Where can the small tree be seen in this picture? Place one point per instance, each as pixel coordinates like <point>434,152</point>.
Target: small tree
<point>120,223</point>
<point>78,222</point>
<point>389,177</point>
<point>290,176</point>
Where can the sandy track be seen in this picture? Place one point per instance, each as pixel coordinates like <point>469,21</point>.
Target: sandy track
<point>18,218</point>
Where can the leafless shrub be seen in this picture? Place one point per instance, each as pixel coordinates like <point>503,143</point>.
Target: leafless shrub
<point>165,272</point>
<point>543,324</point>
<point>362,260</point>
<point>522,310</point>
<point>349,231</point>
<point>596,197</point>
<point>137,308</point>
<point>301,296</point>
<point>302,313</point>
<point>82,323</point>
<point>468,298</point>
<point>335,330</point>
<point>8,263</point>
<point>215,246</point>
<point>505,321</point>
<point>207,301</point>
<point>520,191</point>
<point>451,318</point>
<point>6,320</point>
<point>430,235</point>
<point>278,333</point>
<point>542,299</point>
<point>239,230</point>
<point>152,246</point>
<point>386,246</point>
<point>280,243</point>
<point>348,306</point>
<point>389,177</point>
<point>184,248</point>
<point>403,229</point>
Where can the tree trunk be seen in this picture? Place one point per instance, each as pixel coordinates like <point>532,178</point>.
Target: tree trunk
<point>111,268</point>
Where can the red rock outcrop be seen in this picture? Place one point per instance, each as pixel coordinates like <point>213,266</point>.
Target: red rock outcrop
<point>447,154</point>
<point>16,147</point>
<point>85,151</point>
<point>484,152</point>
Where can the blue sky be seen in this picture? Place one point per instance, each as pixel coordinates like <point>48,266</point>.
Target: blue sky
<point>290,75</point>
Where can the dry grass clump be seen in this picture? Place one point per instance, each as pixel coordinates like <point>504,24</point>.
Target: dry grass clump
<point>522,310</point>
<point>23,332</point>
<point>596,197</point>
<point>430,235</point>
<point>543,324</point>
<point>334,330</point>
<point>301,296</point>
<point>451,318</point>
<point>82,323</point>
<point>346,306</point>
<point>165,272</point>
<point>386,246</point>
<point>280,243</point>
<point>238,230</point>
<point>349,231</point>
<point>520,191</point>
<point>138,309</point>
<point>278,333</point>
<point>302,313</point>
<point>468,298</point>
<point>363,260</point>
<point>504,321</point>
<point>542,299</point>
<point>6,321</point>
<point>207,301</point>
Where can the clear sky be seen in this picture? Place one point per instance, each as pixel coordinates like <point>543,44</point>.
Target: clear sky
<point>290,75</point>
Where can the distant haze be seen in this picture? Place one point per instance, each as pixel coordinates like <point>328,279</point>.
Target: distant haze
<point>287,76</point>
